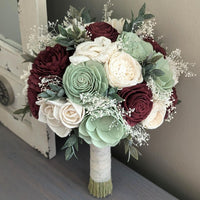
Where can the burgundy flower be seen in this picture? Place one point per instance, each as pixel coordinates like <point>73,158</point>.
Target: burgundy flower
<point>32,98</point>
<point>139,98</point>
<point>174,99</point>
<point>98,29</point>
<point>156,46</point>
<point>51,61</point>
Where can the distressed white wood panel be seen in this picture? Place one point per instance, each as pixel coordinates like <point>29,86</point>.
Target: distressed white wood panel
<point>31,12</point>
<point>38,135</point>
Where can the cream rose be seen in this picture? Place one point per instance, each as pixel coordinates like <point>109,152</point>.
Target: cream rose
<point>60,116</point>
<point>156,116</point>
<point>118,24</point>
<point>123,70</point>
<point>71,114</point>
<point>98,50</point>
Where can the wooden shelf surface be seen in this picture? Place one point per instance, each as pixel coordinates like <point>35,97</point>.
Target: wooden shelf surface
<point>26,175</point>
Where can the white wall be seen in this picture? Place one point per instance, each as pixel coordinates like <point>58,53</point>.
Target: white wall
<point>172,158</point>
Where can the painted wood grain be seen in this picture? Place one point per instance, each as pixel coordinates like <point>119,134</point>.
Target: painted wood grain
<point>36,134</point>
<point>25,174</point>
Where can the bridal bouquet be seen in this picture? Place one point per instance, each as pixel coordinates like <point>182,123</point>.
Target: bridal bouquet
<point>103,82</point>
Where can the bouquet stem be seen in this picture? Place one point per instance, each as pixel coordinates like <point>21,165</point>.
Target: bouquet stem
<point>100,183</point>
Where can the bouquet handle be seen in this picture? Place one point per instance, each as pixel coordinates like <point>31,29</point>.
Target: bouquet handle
<point>100,183</point>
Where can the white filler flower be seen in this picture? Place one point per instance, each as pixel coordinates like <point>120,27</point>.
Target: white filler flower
<point>123,70</point>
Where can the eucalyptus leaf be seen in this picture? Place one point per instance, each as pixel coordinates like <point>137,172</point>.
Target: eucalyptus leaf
<point>70,141</point>
<point>22,111</point>
<point>155,58</point>
<point>68,154</point>
<point>55,88</point>
<point>50,93</point>
<point>148,16</point>
<point>142,10</point>
<point>61,92</point>
<point>134,152</point>
<point>43,95</point>
<point>62,30</point>
<point>112,90</point>
<point>157,72</point>
<point>179,101</point>
<point>28,58</point>
<point>117,97</point>
<point>76,146</point>
<point>86,16</point>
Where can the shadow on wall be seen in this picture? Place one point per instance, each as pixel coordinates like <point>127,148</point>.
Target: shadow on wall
<point>172,158</point>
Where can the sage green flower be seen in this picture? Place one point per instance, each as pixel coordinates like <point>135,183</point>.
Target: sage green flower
<point>135,46</point>
<point>165,81</point>
<point>87,77</point>
<point>101,132</point>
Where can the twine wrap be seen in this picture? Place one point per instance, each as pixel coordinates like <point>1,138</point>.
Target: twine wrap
<point>100,184</point>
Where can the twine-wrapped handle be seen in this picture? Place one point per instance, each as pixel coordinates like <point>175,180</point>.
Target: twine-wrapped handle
<point>100,184</point>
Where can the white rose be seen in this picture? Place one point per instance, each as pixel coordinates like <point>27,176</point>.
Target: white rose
<point>60,116</point>
<point>71,114</point>
<point>123,70</point>
<point>117,24</point>
<point>98,50</point>
<point>156,116</point>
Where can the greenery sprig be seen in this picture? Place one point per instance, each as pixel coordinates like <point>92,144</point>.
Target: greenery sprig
<point>23,111</point>
<point>71,145</point>
<point>55,92</point>
<point>148,67</point>
<point>135,23</point>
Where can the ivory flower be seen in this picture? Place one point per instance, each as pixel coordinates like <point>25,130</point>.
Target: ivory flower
<point>117,24</point>
<point>156,116</point>
<point>60,116</point>
<point>123,70</point>
<point>98,50</point>
<point>71,114</point>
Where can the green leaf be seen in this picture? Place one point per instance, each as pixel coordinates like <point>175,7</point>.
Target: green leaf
<point>157,72</point>
<point>155,58</point>
<point>28,58</point>
<point>22,111</point>
<point>70,141</point>
<point>50,93</point>
<point>126,148</point>
<point>112,90</point>
<point>142,10</point>
<point>134,152</point>
<point>53,98</point>
<point>86,16</point>
<point>62,30</point>
<point>148,16</point>
<point>43,95</point>
<point>61,93</point>
<point>34,53</point>
<point>148,67</point>
<point>77,31</point>
<point>54,87</point>
<point>117,97</point>
<point>126,26</point>
<point>68,154</point>
<point>64,41</point>
<point>76,146</point>
<point>179,101</point>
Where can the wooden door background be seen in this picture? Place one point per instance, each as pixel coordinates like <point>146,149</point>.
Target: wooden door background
<point>36,134</point>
